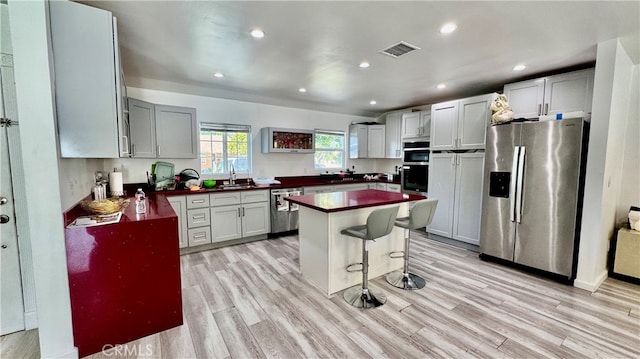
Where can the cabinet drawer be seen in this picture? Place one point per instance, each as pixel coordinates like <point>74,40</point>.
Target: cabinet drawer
<point>198,217</point>
<point>198,236</point>
<point>224,199</point>
<point>254,196</point>
<point>198,201</point>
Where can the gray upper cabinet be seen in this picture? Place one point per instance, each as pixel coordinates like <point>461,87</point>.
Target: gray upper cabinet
<point>366,141</point>
<point>393,139</point>
<point>460,124</point>
<point>176,132</point>
<point>551,95</point>
<point>416,125</point>
<point>89,109</point>
<point>160,131</point>
<point>143,129</point>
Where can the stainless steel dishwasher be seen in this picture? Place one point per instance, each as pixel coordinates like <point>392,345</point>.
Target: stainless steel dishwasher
<point>284,215</point>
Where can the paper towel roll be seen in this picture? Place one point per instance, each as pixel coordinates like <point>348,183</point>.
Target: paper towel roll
<point>115,183</point>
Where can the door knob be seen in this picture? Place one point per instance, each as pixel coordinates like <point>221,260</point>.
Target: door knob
<point>4,246</point>
<point>3,200</point>
<point>4,219</point>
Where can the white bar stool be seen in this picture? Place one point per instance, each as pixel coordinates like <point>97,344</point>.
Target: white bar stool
<point>380,222</point>
<point>420,216</point>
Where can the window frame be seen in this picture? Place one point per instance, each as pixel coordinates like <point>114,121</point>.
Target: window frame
<point>226,129</point>
<point>317,149</point>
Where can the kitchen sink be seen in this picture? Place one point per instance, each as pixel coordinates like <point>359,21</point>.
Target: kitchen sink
<point>235,186</point>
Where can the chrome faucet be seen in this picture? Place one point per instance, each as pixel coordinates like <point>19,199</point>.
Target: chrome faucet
<point>232,174</point>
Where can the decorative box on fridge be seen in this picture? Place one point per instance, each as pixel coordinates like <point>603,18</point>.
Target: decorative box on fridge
<point>283,140</point>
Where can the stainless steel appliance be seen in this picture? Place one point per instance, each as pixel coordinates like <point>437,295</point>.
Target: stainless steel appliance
<point>415,167</point>
<point>533,191</point>
<point>284,215</point>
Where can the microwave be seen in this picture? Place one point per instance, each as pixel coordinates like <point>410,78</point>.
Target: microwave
<point>415,152</point>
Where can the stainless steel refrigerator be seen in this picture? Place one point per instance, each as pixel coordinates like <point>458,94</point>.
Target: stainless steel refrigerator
<point>532,196</point>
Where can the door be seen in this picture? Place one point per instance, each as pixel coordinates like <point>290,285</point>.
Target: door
<point>255,219</point>
<point>525,98</point>
<point>497,231</point>
<point>444,126</point>
<point>569,92</point>
<point>375,141</point>
<point>441,186</point>
<point>411,125</point>
<point>11,304</point>
<point>468,197</point>
<point>226,223</point>
<point>473,121</point>
<point>546,232</point>
<point>142,127</point>
<point>176,132</point>
<point>392,141</point>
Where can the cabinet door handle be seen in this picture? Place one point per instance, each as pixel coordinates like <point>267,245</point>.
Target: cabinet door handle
<point>546,108</point>
<point>126,144</point>
<point>539,109</point>
<point>203,235</point>
<point>242,211</point>
<point>133,150</point>
<point>198,216</point>
<point>238,211</point>
<point>197,201</point>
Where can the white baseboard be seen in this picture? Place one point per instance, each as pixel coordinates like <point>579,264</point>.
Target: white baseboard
<point>591,286</point>
<point>30,320</point>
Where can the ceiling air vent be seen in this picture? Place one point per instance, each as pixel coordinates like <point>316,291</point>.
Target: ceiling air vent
<point>399,49</point>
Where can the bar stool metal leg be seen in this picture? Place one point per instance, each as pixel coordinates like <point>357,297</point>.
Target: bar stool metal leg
<point>362,296</point>
<point>404,279</point>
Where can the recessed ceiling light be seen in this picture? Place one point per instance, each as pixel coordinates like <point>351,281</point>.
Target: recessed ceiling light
<point>448,28</point>
<point>257,33</point>
<point>218,74</point>
<point>372,102</point>
<point>364,65</point>
<point>519,67</point>
<point>441,86</point>
<point>302,89</point>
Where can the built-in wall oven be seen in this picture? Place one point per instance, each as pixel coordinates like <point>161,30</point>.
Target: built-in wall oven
<point>415,167</point>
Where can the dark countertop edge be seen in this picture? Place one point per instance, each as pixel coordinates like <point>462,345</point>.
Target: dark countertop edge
<point>161,210</point>
<point>410,198</point>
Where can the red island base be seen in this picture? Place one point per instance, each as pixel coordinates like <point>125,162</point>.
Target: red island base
<point>124,278</point>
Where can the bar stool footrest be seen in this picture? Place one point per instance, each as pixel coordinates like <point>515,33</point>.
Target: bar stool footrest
<point>364,298</point>
<point>407,281</point>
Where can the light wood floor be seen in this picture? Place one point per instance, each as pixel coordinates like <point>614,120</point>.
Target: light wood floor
<point>249,301</point>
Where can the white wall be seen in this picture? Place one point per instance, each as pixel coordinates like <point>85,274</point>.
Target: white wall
<point>33,68</point>
<point>209,109</point>
<point>77,177</point>
<point>610,114</point>
<point>630,176</point>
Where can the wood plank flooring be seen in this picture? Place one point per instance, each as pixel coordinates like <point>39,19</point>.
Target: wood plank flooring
<point>249,301</point>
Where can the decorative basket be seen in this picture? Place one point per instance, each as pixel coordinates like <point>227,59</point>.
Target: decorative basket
<point>105,206</point>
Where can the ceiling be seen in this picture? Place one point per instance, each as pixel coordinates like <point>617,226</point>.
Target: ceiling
<point>179,45</point>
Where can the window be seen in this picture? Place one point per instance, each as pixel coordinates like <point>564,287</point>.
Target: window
<point>223,146</point>
<point>329,149</point>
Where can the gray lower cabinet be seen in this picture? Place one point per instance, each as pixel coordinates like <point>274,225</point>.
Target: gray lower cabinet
<point>219,217</point>
<point>239,214</point>
<point>161,131</point>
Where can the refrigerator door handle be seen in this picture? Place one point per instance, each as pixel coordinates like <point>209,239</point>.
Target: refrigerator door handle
<point>512,185</point>
<point>520,189</point>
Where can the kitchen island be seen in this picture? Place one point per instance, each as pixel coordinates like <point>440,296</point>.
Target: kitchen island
<point>325,253</point>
